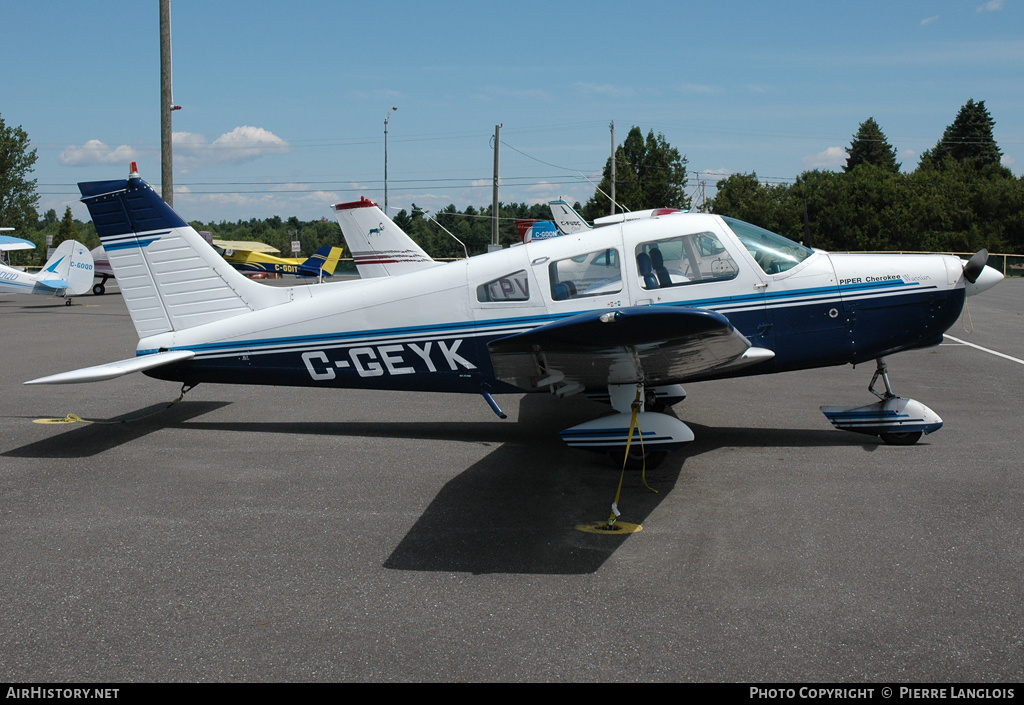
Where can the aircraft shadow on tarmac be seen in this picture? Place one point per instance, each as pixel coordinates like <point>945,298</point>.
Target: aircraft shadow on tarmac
<point>514,511</point>
<point>89,439</point>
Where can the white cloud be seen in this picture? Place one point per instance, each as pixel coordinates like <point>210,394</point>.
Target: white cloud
<point>908,157</point>
<point>991,6</point>
<point>96,152</point>
<point>191,150</point>
<point>831,158</point>
<point>929,20</point>
<point>242,144</point>
<point>713,175</point>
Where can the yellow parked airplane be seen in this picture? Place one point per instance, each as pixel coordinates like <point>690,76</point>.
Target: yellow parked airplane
<point>248,256</point>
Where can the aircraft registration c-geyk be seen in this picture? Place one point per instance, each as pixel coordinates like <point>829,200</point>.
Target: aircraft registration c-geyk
<point>629,309</point>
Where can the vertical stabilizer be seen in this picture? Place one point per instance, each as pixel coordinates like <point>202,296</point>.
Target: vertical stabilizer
<point>70,269</point>
<point>379,247</point>
<point>169,276</point>
<point>567,220</point>
<point>321,263</point>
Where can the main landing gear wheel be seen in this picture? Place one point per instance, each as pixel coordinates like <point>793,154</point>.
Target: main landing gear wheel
<point>98,290</point>
<point>635,461</point>
<point>901,439</point>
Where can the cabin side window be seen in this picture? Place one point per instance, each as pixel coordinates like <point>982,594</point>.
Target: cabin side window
<point>592,274</point>
<point>772,252</point>
<point>686,259</point>
<point>511,287</point>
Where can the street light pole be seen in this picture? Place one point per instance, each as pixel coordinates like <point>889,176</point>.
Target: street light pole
<point>386,118</point>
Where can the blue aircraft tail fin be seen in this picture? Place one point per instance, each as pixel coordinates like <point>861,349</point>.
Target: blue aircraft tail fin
<point>323,262</point>
<point>169,276</point>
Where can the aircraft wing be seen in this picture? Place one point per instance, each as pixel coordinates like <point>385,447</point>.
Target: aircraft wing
<point>116,369</point>
<point>9,243</point>
<point>655,346</point>
<point>246,246</point>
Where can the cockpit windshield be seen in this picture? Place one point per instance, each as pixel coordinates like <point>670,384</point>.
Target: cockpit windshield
<point>772,252</point>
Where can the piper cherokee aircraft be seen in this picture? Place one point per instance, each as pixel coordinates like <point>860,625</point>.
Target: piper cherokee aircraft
<point>727,299</point>
<point>67,273</point>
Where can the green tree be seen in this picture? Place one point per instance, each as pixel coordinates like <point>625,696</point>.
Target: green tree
<point>870,146</point>
<point>66,230</point>
<point>649,173</point>
<point>968,139</point>
<point>18,197</point>
<point>772,207</point>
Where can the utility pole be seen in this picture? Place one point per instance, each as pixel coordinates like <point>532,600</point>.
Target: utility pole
<point>494,206</point>
<point>386,118</point>
<point>166,105</point>
<point>612,212</point>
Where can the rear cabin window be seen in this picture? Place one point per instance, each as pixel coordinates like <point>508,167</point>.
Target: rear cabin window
<point>687,259</point>
<point>592,274</point>
<point>511,287</point>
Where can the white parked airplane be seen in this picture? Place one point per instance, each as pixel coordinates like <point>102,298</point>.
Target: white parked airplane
<point>379,247</point>
<point>67,273</point>
<point>734,299</point>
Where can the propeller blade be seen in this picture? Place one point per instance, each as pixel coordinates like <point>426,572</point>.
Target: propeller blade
<point>972,270</point>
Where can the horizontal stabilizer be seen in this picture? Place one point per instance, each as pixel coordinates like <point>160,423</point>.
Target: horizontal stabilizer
<point>111,370</point>
<point>55,284</point>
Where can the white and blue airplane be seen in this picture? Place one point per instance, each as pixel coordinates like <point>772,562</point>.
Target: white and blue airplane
<point>632,309</point>
<point>67,273</point>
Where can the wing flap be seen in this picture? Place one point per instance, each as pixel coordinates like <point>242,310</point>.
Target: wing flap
<point>116,369</point>
<point>625,346</point>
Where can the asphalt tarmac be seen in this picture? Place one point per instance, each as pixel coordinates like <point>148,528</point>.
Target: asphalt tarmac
<point>269,534</point>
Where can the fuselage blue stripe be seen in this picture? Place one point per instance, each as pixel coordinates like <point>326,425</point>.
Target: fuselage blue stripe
<point>506,326</point>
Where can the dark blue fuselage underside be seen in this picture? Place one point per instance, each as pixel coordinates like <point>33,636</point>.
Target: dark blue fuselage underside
<point>815,334</point>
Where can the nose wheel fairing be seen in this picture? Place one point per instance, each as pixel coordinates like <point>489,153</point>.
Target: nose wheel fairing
<point>896,420</point>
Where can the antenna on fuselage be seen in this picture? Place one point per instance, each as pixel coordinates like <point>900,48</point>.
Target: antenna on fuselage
<point>430,217</point>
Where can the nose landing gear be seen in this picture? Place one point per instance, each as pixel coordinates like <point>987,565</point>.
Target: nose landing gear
<point>896,420</point>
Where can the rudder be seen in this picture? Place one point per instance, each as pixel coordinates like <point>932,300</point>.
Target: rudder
<point>379,247</point>
<point>169,276</point>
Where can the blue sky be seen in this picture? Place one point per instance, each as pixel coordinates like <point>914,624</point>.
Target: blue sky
<point>283,104</point>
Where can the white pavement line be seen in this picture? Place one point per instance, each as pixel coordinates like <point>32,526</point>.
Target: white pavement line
<point>991,352</point>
